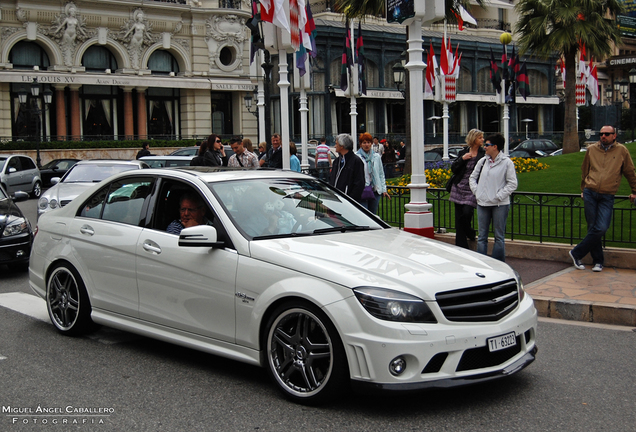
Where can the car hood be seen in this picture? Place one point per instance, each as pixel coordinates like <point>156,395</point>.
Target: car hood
<point>388,258</point>
<point>66,191</point>
<point>8,211</point>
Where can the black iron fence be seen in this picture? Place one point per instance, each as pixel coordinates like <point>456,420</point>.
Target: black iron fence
<point>542,217</point>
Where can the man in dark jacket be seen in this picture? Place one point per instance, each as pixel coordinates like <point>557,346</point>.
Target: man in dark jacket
<point>145,151</point>
<point>347,172</point>
<point>275,154</point>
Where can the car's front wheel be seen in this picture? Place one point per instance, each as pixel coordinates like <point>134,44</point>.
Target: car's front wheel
<point>37,190</point>
<point>305,355</point>
<point>67,301</point>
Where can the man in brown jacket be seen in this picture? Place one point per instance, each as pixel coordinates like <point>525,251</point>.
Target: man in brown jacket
<point>604,163</point>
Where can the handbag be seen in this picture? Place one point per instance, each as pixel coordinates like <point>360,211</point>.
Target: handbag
<point>367,193</point>
<point>449,183</point>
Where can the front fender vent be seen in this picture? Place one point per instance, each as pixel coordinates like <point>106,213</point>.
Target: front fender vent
<point>489,302</point>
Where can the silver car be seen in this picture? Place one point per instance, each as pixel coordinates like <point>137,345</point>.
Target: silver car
<point>19,173</point>
<point>80,177</point>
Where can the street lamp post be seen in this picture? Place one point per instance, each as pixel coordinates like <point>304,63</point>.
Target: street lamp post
<point>248,105</point>
<point>34,110</point>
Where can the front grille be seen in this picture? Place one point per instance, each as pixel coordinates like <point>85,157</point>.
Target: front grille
<point>479,358</point>
<point>482,303</point>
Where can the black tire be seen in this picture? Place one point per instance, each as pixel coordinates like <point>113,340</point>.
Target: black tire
<point>67,301</point>
<point>37,190</point>
<point>305,356</point>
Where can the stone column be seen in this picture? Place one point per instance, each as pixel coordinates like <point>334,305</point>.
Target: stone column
<point>129,126</point>
<point>76,114</point>
<point>142,117</point>
<point>60,112</point>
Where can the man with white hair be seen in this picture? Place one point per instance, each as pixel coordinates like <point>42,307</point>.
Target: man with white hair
<point>347,173</point>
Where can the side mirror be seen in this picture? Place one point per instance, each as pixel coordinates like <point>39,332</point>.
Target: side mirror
<point>54,181</point>
<point>19,196</point>
<point>12,170</point>
<point>200,236</point>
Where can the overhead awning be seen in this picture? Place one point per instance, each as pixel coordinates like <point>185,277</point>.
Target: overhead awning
<point>501,4</point>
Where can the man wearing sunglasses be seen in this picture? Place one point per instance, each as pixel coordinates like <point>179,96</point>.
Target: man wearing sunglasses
<point>604,163</point>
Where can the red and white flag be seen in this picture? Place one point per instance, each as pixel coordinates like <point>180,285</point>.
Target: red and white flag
<point>429,85</point>
<point>592,82</point>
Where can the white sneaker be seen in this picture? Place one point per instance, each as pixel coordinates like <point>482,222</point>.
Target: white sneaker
<point>597,267</point>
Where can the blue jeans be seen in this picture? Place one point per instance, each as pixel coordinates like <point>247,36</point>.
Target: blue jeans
<point>598,214</point>
<point>372,204</point>
<point>498,215</point>
<point>323,171</point>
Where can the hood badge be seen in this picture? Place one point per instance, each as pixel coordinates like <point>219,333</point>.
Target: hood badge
<point>480,275</point>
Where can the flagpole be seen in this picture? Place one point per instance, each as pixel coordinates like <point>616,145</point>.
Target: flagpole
<point>283,84</point>
<point>353,73</point>
<point>445,115</point>
<point>505,39</point>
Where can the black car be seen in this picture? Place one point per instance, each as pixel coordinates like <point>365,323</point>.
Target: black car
<point>55,168</point>
<point>15,231</point>
<point>534,148</point>
<point>453,151</point>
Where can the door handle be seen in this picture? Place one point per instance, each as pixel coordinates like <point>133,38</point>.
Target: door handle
<point>88,230</point>
<point>152,247</point>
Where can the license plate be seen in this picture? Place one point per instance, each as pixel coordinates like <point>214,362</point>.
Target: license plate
<point>501,342</point>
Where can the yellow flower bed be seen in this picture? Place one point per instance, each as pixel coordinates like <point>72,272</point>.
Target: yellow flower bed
<point>438,177</point>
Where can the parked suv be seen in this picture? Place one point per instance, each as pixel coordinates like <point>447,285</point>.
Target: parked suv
<point>19,173</point>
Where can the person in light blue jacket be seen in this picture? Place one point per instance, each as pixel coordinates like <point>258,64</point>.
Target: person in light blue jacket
<point>373,174</point>
<point>493,181</point>
<point>294,163</point>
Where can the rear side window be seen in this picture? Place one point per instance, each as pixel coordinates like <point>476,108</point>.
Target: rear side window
<point>123,201</point>
<point>27,163</point>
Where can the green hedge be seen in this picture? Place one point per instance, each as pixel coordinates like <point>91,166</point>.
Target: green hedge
<point>61,145</point>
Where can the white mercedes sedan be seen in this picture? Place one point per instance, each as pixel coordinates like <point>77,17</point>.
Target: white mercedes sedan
<point>277,269</point>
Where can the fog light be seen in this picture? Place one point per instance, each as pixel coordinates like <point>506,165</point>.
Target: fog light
<point>19,254</point>
<point>397,366</point>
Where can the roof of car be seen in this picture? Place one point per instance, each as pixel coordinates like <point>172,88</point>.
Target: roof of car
<point>167,157</point>
<point>108,162</point>
<point>215,174</point>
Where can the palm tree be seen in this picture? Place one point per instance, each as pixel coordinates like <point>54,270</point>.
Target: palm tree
<point>548,27</point>
<point>358,8</point>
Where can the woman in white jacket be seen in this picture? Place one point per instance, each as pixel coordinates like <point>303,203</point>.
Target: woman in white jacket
<point>493,181</point>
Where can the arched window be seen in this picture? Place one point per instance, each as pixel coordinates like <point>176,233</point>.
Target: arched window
<point>25,55</point>
<point>538,82</point>
<point>162,63</point>
<point>98,59</point>
<point>484,85</point>
<point>464,82</point>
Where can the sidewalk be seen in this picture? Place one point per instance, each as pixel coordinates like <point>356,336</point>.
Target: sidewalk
<point>561,291</point>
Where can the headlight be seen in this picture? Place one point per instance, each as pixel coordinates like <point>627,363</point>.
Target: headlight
<point>15,227</point>
<point>43,203</point>
<point>392,305</point>
<point>522,292</point>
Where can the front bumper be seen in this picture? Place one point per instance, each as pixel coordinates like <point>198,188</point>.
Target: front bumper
<point>15,249</point>
<point>438,355</point>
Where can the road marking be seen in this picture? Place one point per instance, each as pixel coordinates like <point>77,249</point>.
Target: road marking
<point>26,304</point>
<point>35,307</point>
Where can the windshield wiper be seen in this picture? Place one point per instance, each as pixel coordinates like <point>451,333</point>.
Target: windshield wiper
<point>342,229</point>
<point>273,236</point>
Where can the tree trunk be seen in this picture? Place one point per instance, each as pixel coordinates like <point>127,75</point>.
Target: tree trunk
<point>570,126</point>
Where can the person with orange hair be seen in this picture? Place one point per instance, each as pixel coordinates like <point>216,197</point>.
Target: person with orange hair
<point>374,181</point>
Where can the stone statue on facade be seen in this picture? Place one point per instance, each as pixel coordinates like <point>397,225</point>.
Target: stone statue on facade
<point>136,33</point>
<point>68,28</point>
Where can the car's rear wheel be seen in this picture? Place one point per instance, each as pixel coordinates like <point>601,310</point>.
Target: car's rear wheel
<point>67,301</point>
<point>37,190</point>
<point>305,356</point>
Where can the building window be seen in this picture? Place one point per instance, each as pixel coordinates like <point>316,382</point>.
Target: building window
<point>222,113</point>
<point>25,55</point>
<point>162,63</point>
<point>99,112</point>
<point>163,113</point>
<point>98,59</point>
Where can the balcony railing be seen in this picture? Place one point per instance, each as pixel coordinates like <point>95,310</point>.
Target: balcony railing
<point>173,1</point>
<point>542,217</point>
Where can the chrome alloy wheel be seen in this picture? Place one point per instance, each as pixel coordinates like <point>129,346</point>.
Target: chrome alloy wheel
<point>300,353</point>
<point>67,302</point>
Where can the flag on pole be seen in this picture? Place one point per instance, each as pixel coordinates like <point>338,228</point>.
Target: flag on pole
<point>308,39</point>
<point>592,82</point>
<point>347,61</point>
<point>513,70</point>
<point>495,75</point>
<point>443,59</point>
<point>430,73</point>
<point>294,17</point>
<point>267,10</point>
<point>252,24</point>
<point>522,81</point>
<point>362,80</point>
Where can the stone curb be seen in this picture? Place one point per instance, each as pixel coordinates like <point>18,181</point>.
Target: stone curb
<point>576,310</point>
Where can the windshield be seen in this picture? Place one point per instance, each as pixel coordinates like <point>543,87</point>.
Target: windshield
<point>89,173</point>
<point>269,208</point>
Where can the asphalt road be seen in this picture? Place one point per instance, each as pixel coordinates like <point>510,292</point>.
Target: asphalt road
<point>583,379</point>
